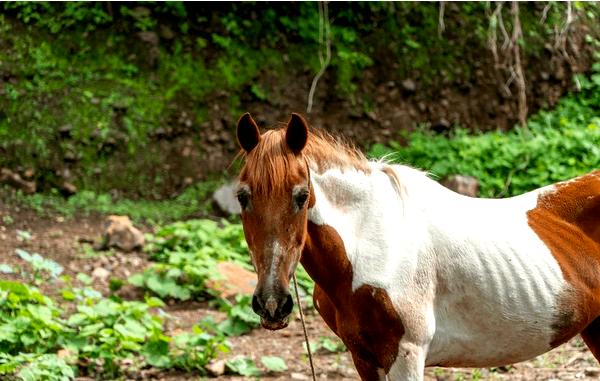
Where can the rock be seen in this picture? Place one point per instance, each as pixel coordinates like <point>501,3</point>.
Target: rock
<point>16,181</point>
<point>592,372</point>
<point>216,368</point>
<point>232,279</point>
<point>466,185</point>
<point>299,376</point>
<point>441,125</point>
<point>409,86</point>
<point>67,189</point>
<point>149,37</point>
<point>226,199</point>
<point>120,233</point>
<point>166,32</point>
<point>100,273</point>
<point>64,353</point>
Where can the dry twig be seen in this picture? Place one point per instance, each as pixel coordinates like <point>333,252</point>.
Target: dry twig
<point>324,43</point>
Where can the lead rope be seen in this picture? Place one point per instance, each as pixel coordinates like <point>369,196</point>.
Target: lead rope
<point>312,367</point>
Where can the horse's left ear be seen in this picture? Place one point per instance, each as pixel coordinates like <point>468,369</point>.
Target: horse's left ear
<point>296,134</point>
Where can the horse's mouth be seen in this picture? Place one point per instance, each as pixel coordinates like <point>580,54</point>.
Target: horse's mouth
<point>275,325</point>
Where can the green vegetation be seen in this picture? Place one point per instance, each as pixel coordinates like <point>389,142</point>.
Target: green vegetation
<point>85,333</point>
<point>93,87</point>
<point>192,201</point>
<point>557,144</point>
<point>42,338</point>
<point>186,255</point>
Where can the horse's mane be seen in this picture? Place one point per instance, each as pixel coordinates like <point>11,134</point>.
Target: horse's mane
<point>268,164</point>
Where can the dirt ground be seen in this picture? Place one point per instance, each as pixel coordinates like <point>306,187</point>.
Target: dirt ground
<point>60,239</point>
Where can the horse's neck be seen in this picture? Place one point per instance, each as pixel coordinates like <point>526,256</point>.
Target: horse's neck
<point>351,223</point>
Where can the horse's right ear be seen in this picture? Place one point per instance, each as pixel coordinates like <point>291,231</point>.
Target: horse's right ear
<point>247,132</point>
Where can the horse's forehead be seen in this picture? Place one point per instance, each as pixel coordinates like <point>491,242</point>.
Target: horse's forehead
<point>272,177</point>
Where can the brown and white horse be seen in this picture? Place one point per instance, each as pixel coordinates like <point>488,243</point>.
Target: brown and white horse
<point>408,273</point>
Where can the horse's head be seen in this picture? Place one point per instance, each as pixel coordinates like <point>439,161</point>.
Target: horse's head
<point>274,194</point>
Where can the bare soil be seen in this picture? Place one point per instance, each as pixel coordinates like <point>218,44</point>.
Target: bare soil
<point>60,239</point>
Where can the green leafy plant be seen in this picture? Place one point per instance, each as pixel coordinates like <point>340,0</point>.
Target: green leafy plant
<point>97,334</point>
<point>29,321</point>
<point>36,367</point>
<point>243,366</point>
<point>42,268</point>
<point>274,363</point>
<point>557,145</point>
<point>188,253</point>
<point>240,317</point>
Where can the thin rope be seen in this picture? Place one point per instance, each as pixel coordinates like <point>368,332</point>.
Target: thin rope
<point>312,366</point>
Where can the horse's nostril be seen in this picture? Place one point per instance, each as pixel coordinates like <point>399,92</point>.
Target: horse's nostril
<point>288,305</point>
<point>256,307</point>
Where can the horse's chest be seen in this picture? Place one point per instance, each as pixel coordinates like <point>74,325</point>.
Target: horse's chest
<point>366,322</point>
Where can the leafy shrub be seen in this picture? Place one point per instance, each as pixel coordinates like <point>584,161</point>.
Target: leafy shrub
<point>187,254</point>
<point>36,367</point>
<point>97,334</point>
<point>29,320</point>
<point>557,145</point>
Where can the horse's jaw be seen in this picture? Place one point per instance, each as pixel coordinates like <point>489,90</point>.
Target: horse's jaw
<point>275,325</point>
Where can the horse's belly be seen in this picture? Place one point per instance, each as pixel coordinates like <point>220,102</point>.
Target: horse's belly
<point>484,349</point>
<point>502,321</point>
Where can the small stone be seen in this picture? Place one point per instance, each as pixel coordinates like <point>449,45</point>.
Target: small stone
<point>465,185</point>
<point>120,233</point>
<point>299,376</point>
<point>67,189</point>
<point>409,86</point>
<point>442,125</point>
<point>63,353</point>
<point>592,372</point>
<point>226,199</point>
<point>216,368</point>
<point>100,273</point>
<point>166,32</point>
<point>16,181</point>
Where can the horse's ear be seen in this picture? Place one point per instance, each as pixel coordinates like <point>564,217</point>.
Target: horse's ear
<point>296,134</point>
<point>247,132</point>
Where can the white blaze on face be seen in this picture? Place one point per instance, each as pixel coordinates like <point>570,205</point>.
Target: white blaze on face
<point>277,253</point>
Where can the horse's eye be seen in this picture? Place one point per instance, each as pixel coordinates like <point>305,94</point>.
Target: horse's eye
<point>243,199</point>
<point>300,199</point>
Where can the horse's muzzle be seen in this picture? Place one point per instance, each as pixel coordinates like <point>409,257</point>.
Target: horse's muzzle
<point>274,309</point>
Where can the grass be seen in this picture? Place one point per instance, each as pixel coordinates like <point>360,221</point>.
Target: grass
<point>195,200</point>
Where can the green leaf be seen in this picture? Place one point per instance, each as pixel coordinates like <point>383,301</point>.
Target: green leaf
<point>243,366</point>
<point>274,363</point>
<point>132,330</point>
<point>156,353</point>
<point>6,268</point>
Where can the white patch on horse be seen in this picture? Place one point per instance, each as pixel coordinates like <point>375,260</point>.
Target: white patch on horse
<point>471,281</point>
<point>277,253</point>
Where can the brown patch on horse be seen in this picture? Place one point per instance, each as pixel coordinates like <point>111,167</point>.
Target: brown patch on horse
<point>567,220</point>
<point>591,336</point>
<point>365,319</point>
